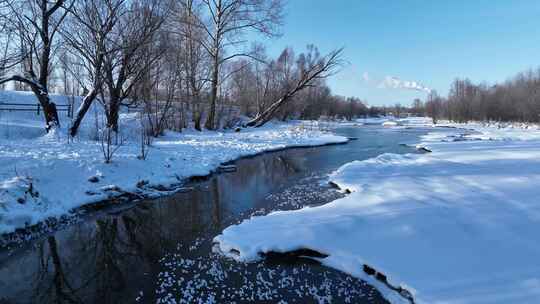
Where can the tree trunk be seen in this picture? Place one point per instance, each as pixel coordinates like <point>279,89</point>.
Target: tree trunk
<point>210,120</point>
<point>267,115</point>
<point>81,111</point>
<point>112,115</point>
<point>196,110</point>
<point>49,108</point>
<point>197,120</point>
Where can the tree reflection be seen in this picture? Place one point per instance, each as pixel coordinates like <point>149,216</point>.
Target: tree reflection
<point>110,277</point>
<point>53,284</point>
<point>112,258</point>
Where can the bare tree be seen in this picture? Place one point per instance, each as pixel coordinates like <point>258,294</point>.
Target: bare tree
<point>418,107</point>
<point>37,22</point>
<point>310,69</point>
<point>224,22</point>
<point>433,106</point>
<point>109,143</point>
<point>125,60</point>
<point>195,60</point>
<point>5,38</point>
<point>160,86</point>
<point>88,32</point>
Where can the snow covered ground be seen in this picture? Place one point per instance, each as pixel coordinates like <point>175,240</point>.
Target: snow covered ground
<point>458,225</point>
<point>46,175</point>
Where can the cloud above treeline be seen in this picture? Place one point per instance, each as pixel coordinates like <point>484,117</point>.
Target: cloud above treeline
<point>392,82</point>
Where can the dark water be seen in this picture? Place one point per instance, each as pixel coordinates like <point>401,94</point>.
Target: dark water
<point>160,251</point>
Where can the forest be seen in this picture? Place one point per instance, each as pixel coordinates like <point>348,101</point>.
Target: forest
<point>181,63</point>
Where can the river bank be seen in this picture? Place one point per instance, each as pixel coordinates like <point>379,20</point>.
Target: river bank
<point>49,176</point>
<point>457,224</point>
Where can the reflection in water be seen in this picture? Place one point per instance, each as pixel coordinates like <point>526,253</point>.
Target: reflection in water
<point>161,250</point>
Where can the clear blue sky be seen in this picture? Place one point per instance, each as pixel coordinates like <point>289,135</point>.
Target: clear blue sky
<point>431,42</point>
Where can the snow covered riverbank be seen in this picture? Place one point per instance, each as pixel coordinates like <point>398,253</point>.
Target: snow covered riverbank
<point>43,176</point>
<point>68,175</point>
<point>459,225</point>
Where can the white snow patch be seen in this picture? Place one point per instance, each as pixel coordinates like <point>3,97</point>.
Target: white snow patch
<point>459,225</point>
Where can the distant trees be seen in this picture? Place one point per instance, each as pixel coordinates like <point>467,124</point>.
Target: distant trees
<point>418,107</point>
<point>189,63</point>
<point>5,39</point>
<point>433,106</point>
<point>517,99</point>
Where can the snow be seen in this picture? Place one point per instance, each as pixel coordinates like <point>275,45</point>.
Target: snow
<point>500,131</point>
<point>374,120</point>
<point>47,175</point>
<point>390,123</point>
<point>458,225</point>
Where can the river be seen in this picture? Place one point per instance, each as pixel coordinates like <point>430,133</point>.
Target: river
<point>160,251</point>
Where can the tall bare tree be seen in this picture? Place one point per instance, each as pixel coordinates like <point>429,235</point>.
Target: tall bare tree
<point>195,63</point>
<point>7,33</point>
<point>88,33</point>
<point>126,60</point>
<point>224,22</point>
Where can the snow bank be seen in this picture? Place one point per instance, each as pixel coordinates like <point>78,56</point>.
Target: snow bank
<point>44,175</point>
<point>373,120</point>
<point>459,225</point>
<point>393,122</point>
<point>500,131</point>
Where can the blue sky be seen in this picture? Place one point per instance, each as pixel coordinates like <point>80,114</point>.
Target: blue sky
<point>430,42</point>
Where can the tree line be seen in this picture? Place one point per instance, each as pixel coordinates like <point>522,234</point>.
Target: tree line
<point>516,100</point>
<point>184,62</point>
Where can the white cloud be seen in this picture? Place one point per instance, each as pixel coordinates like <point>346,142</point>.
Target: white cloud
<point>391,82</point>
